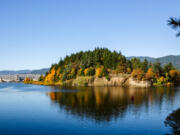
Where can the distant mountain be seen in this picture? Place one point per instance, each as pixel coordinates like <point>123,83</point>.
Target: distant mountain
<point>174,59</point>
<point>40,71</point>
<point>10,72</point>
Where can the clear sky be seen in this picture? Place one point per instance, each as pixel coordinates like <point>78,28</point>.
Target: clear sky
<point>36,33</point>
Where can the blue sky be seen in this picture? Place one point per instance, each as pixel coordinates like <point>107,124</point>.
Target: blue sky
<point>36,33</point>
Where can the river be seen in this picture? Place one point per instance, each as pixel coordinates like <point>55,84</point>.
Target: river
<point>32,109</point>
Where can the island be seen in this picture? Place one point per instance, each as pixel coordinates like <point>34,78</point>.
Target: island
<point>103,67</point>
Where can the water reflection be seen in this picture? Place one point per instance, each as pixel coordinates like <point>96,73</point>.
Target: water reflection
<point>107,103</point>
<point>173,120</point>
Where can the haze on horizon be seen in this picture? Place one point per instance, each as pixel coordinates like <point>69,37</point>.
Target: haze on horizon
<point>34,34</point>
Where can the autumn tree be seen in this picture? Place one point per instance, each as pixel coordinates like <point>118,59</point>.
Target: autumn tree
<point>138,74</point>
<point>99,71</point>
<point>175,75</point>
<point>149,75</point>
<point>50,75</point>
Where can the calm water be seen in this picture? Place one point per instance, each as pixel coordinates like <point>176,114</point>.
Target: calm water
<point>31,109</point>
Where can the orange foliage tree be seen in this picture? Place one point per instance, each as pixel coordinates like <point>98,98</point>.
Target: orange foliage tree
<point>175,75</point>
<point>50,76</point>
<point>86,71</point>
<point>138,74</point>
<point>99,71</point>
<point>149,75</point>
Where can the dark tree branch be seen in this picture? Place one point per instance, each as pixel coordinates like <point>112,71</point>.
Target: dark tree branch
<point>175,24</point>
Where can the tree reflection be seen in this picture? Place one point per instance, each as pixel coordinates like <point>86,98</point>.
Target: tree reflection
<point>173,120</point>
<point>106,103</point>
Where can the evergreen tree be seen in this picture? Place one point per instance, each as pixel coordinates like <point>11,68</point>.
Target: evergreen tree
<point>168,67</point>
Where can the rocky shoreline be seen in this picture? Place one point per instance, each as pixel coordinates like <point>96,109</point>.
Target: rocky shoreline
<point>119,81</point>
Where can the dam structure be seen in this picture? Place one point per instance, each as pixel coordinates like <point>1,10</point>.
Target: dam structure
<point>18,77</point>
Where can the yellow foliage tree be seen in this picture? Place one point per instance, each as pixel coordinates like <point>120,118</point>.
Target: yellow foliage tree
<point>99,71</point>
<point>86,71</point>
<point>60,77</point>
<point>80,72</point>
<point>128,70</point>
<point>149,75</point>
<point>72,73</point>
<point>162,79</point>
<point>50,76</point>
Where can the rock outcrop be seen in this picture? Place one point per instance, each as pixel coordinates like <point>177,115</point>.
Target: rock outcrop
<point>126,81</point>
<point>135,83</point>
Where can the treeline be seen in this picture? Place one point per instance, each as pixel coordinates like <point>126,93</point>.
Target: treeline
<point>102,62</point>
